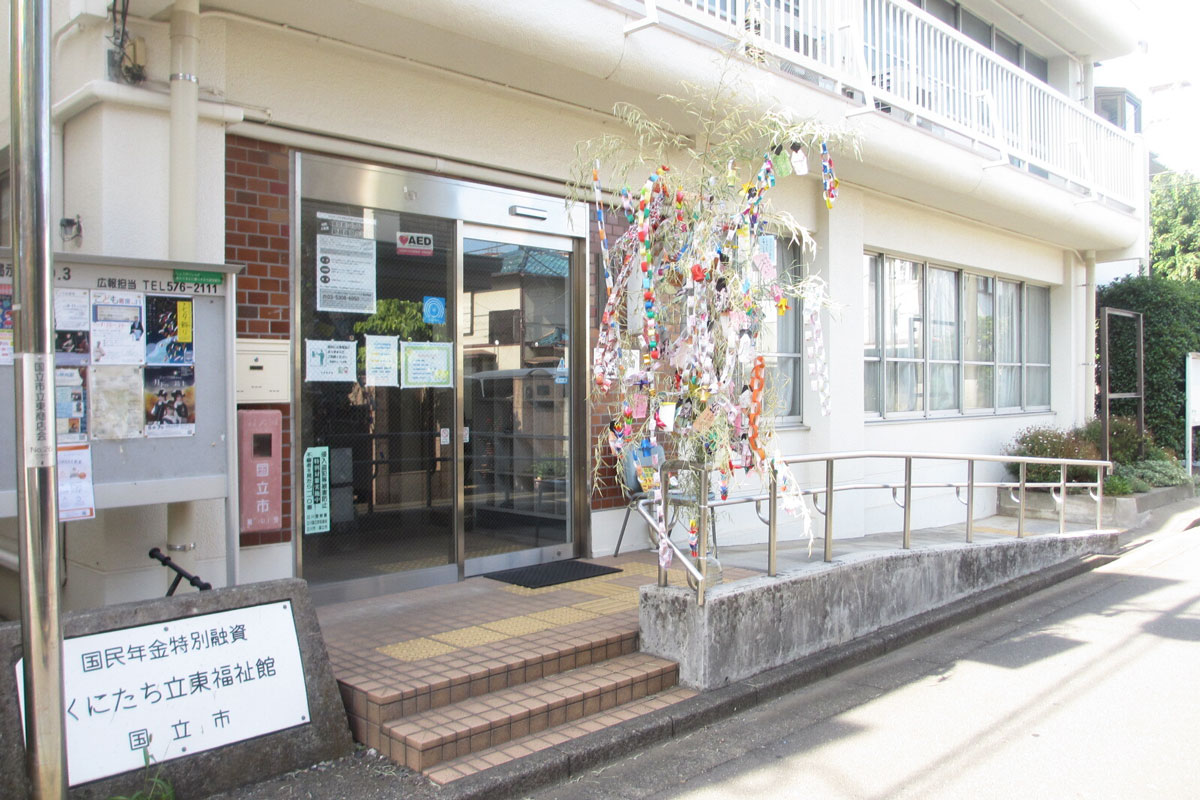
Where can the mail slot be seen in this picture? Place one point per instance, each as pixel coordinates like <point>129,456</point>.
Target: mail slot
<point>260,464</point>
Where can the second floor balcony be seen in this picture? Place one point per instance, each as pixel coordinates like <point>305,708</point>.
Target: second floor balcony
<point>899,60</point>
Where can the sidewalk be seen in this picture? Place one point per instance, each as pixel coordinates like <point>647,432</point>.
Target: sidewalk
<point>484,689</point>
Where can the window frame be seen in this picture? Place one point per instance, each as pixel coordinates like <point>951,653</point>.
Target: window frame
<point>876,261</point>
<point>789,262</point>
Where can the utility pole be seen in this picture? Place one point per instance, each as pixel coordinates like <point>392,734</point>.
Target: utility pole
<point>33,346</point>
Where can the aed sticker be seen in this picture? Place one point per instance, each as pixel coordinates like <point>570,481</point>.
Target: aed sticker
<point>414,244</point>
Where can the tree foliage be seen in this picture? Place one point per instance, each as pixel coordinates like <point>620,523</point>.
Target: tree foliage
<point>1175,226</point>
<point>1171,314</point>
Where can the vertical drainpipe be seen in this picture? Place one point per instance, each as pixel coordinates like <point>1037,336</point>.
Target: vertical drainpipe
<point>181,215</point>
<point>1089,339</point>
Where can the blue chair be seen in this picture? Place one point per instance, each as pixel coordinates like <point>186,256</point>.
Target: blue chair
<point>631,459</point>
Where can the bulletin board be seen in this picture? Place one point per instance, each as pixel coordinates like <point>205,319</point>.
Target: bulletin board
<point>144,377</point>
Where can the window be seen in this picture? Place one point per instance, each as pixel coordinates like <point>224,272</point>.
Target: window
<point>940,341</point>
<point>783,335</point>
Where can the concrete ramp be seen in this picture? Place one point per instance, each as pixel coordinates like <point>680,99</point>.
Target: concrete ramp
<point>756,624</point>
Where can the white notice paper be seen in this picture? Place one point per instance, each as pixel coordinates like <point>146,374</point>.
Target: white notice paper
<point>345,265</point>
<point>329,361</point>
<point>71,309</point>
<point>118,328</point>
<point>383,353</point>
<point>76,500</point>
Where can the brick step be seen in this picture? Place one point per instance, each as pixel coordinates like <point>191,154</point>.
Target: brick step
<point>475,672</point>
<point>479,723</point>
<point>463,766</point>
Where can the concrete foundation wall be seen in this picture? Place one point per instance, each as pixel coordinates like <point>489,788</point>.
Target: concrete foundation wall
<point>753,625</point>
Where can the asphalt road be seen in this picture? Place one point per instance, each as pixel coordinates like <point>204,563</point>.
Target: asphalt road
<point>1088,689</point>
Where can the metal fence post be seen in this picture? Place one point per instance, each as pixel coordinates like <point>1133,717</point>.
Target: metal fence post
<point>970,501</point>
<point>702,534</point>
<point>828,510</point>
<point>772,521</point>
<point>907,503</point>
<point>1021,504</point>
<point>1062,494</point>
<point>1099,497</point>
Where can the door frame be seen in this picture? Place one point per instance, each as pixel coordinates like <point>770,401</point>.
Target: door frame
<point>508,215</point>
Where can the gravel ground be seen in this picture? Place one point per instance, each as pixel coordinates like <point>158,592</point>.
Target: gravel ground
<point>362,775</point>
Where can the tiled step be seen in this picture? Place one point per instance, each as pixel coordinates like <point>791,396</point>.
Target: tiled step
<point>377,692</point>
<point>463,766</point>
<point>479,723</point>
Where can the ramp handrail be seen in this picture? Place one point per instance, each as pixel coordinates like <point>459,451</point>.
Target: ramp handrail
<point>1017,489</point>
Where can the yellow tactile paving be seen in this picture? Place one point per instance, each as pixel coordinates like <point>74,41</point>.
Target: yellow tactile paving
<point>470,637</point>
<point>416,649</point>
<point>518,626</point>
<point>608,605</point>
<point>522,591</point>
<point>563,616</point>
<point>605,589</point>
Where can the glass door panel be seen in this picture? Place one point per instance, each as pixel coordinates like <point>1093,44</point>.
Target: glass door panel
<point>515,318</point>
<point>375,289</point>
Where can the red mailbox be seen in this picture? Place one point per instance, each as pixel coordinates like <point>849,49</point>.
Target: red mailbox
<point>260,470</point>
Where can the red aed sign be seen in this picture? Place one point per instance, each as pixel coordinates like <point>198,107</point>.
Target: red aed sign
<point>260,464</point>
<point>414,244</point>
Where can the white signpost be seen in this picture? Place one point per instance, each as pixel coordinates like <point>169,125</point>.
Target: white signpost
<point>180,687</point>
<point>1191,406</point>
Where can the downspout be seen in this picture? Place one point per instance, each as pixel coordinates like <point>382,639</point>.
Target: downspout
<point>181,215</point>
<point>1089,338</point>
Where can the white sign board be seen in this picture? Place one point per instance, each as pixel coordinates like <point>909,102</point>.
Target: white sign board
<point>345,264</point>
<point>426,364</point>
<point>1191,400</point>
<point>178,688</point>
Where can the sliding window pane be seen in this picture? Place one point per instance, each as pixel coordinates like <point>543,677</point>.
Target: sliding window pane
<point>1008,389</point>
<point>871,386</point>
<point>943,387</point>
<point>871,306</point>
<point>905,387</point>
<point>1008,322</point>
<point>943,314</point>
<point>1037,324</point>
<point>903,312</point>
<point>978,386</point>
<point>978,323</point>
<point>1039,386</point>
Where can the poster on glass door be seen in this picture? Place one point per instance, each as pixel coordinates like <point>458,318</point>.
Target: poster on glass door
<point>345,264</point>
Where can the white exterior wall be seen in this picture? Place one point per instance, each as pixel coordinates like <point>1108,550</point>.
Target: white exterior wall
<point>114,176</point>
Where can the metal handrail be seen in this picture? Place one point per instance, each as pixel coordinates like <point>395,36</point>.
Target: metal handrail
<point>706,506</point>
<point>180,573</point>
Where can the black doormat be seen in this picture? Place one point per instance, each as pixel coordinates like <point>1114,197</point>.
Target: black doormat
<point>552,574</point>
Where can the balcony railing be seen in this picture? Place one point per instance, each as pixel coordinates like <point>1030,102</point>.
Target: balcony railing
<point>902,60</point>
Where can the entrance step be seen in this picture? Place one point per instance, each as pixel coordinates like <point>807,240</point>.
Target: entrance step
<point>379,693</point>
<point>425,739</point>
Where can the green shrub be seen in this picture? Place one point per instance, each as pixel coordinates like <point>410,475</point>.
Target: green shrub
<point>1123,440</point>
<point>1048,442</point>
<point>1154,473</point>
<point>1117,486</point>
<point>1171,312</point>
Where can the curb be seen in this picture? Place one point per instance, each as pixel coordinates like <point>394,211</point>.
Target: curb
<point>560,763</point>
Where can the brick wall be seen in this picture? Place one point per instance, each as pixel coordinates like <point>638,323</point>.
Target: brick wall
<point>257,234</point>
<point>606,489</point>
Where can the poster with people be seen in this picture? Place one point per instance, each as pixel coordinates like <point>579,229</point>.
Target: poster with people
<point>169,338</point>
<point>117,328</point>
<point>70,403</point>
<point>6,324</point>
<point>72,323</point>
<point>170,401</point>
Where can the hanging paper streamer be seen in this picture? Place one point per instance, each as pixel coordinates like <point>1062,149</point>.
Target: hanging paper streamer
<point>829,181</point>
<point>691,285</point>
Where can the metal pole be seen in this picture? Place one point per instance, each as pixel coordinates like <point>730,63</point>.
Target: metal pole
<point>907,503</point>
<point>772,521</point>
<point>1062,496</point>
<point>970,501</point>
<point>37,496</point>
<point>1141,390</point>
<point>1104,422</point>
<point>1099,497</point>
<point>828,510</point>
<point>1021,504</point>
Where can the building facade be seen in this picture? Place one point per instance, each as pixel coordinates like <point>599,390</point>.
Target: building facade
<point>392,177</point>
